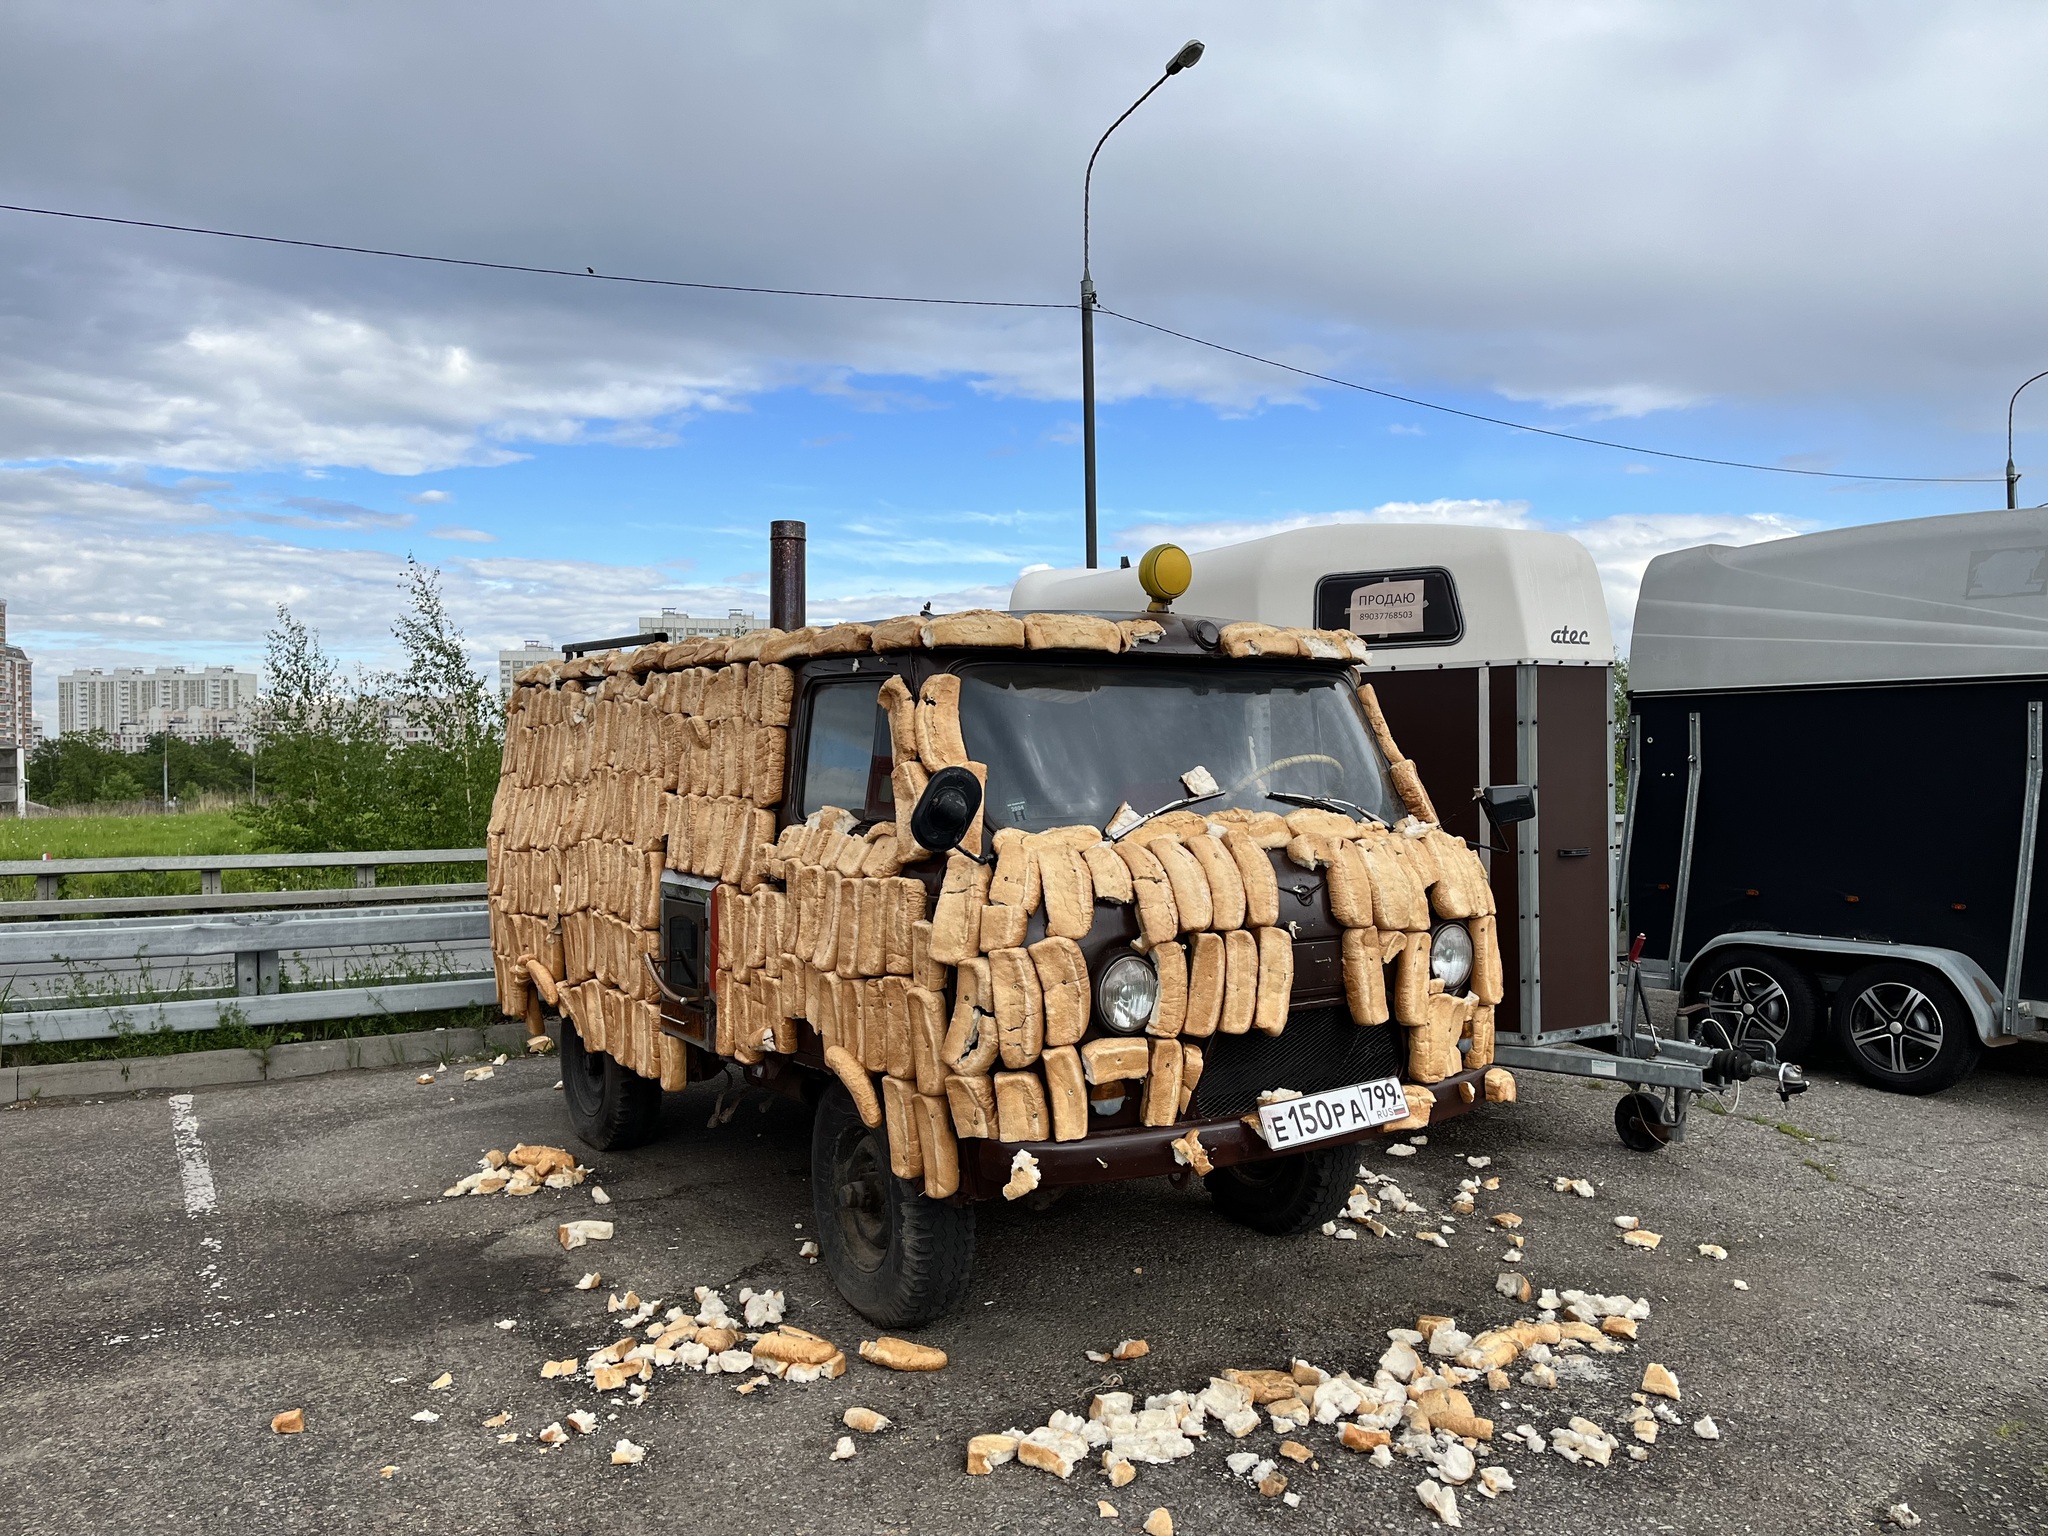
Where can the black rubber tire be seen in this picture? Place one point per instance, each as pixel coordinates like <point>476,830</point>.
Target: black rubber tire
<point>1285,1196</point>
<point>610,1107</point>
<point>1903,1061</point>
<point>1639,1121</point>
<point>1783,1005</point>
<point>900,1259</point>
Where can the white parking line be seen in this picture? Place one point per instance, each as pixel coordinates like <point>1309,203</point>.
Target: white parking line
<point>193,1170</point>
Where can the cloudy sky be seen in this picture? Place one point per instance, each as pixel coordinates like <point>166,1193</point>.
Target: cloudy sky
<point>1805,235</point>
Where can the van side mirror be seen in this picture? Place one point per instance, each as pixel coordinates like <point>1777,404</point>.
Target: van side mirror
<point>946,809</point>
<point>1506,804</point>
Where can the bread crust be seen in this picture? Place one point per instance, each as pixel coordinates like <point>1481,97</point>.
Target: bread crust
<point>1226,885</point>
<point>1066,1093</point>
<point>1169,1015</point>
<point>1276,980</point>
<point>1205,986</point>
<point>1240,982</point>
<point>1020,1107</point>
<point>1019,1007</point>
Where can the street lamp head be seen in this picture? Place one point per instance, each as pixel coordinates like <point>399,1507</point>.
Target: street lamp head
<point>1189,56</point>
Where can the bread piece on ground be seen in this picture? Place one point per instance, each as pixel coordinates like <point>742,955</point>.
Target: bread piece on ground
<point>1255,871</point>
<point>938,723</point>
<point>1411,982</point>
<point>1169,1013</point>
<point>1276,980</point>
<point>1020,1107</point>
<point>1365,984</point>
<point>902,1355</point>
<point>1066,1093</point>
<point>899,1111</point>
<point>1112,1060</point>
<point>1205,985</point>
<point>1226,885</point>
<point>1068,890</point>
<point>1191,898</point>
<point>1071,632</point>
<point>858,1084</point>
<point>1158,917</point>
<point>1019,1007</point>
<point>937,1146</point>
<point>1240,982</point>
<point>1063,982</point>
<point>987,1452</point>
<point>1162,1084</point>
<point>1108,874</point>
<point>973,1102</point>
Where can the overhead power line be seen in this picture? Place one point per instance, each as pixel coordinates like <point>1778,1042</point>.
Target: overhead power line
<point>590,275</point>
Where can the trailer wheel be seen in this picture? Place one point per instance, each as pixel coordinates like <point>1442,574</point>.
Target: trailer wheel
<point>611,1107</point>
<point>1762,1001</point>
<point>1906,1029</point>
<point>900,1260</point>
<point>1285,1196</point>
<point>1639,1119</point>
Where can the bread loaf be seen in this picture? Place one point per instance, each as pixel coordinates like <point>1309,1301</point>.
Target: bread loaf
<point>1158,917</point>
<point>1479,1029</point>
<point>956,921</point>
<point>938,1149</point>
<point>1411,982</point>
<point>1408,785</point>
<point>1255,870</point>
<point>1066,1093</point>
<point>900,706</point>
<point>1071,632</point>
<point>1190,1073</point>
<point>1169,1014</point>
<point>1063,982</point>
<point>1110,1059</point>
<point>1240,982</point>
<point>1015,882</point>
<point>1276,980</point>
<point>858,1084</point>
<point>1487,984</point>
<point>1003,927</point>
<point>1226,885</point>
<point>938,723</point>
<point>1191,899</point>
<point>1205,986</point>
<point>981,627</point>
<point>1365,985</point>
<point>906,1146</point>
<point>1350,887</point>
<point>1020,1107</point>
<point>973,1102</point>
<point>1068,891</point>
<point>1162,1084</point>
<point>1108,875</point>
<point>1019,1007</point>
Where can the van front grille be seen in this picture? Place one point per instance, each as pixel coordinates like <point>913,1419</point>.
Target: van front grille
<point>1320,1048</point>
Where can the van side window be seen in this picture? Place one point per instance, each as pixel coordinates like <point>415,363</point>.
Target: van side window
<point>848,752</point>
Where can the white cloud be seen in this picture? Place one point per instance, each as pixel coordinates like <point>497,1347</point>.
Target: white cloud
<point>462,535</point>
<point>429,498</point>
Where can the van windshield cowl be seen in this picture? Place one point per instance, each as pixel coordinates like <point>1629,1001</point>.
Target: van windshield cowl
<point>1068,744</point>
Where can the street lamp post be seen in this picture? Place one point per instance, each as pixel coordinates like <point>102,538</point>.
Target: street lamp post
<point>1189,54</point>
<point>2012,474</point>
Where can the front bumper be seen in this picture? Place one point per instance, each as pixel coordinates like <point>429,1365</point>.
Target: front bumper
<point>1146,1152</point>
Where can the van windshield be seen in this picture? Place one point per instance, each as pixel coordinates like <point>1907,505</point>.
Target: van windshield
<point>1068,744</point>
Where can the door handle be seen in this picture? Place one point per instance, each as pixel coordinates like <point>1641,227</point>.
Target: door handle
<point>1574,853</point>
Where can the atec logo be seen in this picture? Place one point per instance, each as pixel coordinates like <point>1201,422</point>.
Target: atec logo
<point>1569,636</point>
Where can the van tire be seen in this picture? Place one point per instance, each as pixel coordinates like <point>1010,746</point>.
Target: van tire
<point>1931,1041</point>
<point>900,1260</point>
<point>1285,1196</point>
<point>610,1106</point>
<point>1760,998</point>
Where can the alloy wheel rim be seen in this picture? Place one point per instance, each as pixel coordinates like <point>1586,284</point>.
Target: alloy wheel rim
<point>1895,1026</point>
<point>1750,1005</point>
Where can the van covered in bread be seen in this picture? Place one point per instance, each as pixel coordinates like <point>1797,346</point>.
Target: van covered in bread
<point>1015,901</point>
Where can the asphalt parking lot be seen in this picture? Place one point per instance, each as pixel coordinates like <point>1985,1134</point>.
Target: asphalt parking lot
<point>1893,1343</point>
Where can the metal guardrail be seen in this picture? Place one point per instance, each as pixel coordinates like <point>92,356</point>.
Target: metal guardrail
<point>49,875</point>
<point>338,926</point>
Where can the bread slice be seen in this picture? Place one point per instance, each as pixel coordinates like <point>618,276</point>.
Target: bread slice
<point>1169,1015</point>
<point>1071,632</point>
<point>1020,1107</point>
<point>1205,985</point>
<point>1112,1060</point>
<point>1066,1093</point>
<point>973,1102</point>
<point>1063,981</point>
<point>1226,885</point>
<point>1240,982</point>
<point>1276,980</point>
<point>1020,1007</point>
<point>1162,1084</point>
<point>1191,899</point>
<point>1365,985</point>
<point>938,723</point>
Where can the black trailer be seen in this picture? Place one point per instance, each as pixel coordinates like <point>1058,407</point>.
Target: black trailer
<point>1834,790</point>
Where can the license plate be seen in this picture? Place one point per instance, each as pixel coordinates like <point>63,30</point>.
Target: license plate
<point>1334,1112</point>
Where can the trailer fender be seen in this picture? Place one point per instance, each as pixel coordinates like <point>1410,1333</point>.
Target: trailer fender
<point>1979,992</point>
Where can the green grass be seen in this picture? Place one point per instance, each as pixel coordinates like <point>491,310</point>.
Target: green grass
<point>241,1036</point>
<point>122,837</point>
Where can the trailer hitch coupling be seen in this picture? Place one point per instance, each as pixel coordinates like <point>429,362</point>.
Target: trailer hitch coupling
<point>1733,1066</point>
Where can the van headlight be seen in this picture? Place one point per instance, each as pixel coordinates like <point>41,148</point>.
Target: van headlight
<point>1127,994</point>
<point>1450,956</point>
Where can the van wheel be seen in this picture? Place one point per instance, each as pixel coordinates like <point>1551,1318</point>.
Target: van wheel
<point>1762,1001</point>
<point>900,1259</point>
<point>1284,1196</point>
<point>1905,1029</point>
<point>611,1107</point>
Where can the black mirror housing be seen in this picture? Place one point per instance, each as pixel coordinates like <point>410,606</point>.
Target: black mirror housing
<point>1506,804</point>
<point>946,809</point>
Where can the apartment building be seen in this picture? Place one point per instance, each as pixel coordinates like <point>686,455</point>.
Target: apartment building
<point>678,625</point>
<point>130,705</point>
<point>513,662</point>
<point>18,726</point>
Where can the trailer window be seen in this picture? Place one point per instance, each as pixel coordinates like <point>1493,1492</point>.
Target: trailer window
<point>1411,607</point>
<point>847,751</point>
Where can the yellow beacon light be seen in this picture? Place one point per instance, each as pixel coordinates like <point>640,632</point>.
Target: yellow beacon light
<point>1164,571</point>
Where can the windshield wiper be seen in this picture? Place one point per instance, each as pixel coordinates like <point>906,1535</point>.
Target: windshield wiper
<point>1171,805</point>
<point>1325,803</point>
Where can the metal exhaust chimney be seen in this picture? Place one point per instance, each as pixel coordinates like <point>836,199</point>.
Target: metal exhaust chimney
<point>786,575</point>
